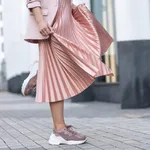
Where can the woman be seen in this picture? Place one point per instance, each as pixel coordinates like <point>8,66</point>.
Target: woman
<point>71,43</point>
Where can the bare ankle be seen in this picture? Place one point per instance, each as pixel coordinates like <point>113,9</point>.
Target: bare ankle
<point>59,126</point>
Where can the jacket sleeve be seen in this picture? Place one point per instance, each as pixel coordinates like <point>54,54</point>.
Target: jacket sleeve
<point>33,3</point>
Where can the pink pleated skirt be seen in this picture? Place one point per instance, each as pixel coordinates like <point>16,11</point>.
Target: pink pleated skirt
<point>70,60</point>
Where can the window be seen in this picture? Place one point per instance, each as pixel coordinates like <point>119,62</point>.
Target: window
<point>104,12</point>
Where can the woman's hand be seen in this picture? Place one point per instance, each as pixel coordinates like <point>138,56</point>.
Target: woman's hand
<point>44,28</point>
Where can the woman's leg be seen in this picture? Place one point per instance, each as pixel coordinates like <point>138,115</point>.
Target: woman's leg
<point>57,110</point>
<point>63,134</point>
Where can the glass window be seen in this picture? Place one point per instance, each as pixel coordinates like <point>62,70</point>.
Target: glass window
<point>104,12</point>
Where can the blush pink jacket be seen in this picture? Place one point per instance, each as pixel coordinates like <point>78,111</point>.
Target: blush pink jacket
<point>49,9</point>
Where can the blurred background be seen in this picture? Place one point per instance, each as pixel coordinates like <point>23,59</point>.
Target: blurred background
<point>114,112</point>
<point>128,21</point>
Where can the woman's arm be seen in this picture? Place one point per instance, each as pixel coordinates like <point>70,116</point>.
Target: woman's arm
<point>43,25</point>
<point>37,14</point>
<point>35,7</point>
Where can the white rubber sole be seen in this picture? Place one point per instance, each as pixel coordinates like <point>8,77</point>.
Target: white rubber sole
<point>26,81</point>
<point>57,140</point>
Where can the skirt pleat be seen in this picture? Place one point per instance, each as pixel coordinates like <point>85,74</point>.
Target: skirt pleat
<point>69,62</point>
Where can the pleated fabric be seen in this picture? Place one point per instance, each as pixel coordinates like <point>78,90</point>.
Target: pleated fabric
<point>70,60</point>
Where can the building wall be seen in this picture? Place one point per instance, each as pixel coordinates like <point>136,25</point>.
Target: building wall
<point>19,54</point>
<point>132,19</point>
<point>2,58</point>
<point>1,33</point>
<point>133,36</point>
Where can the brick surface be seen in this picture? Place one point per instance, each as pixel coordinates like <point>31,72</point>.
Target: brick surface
<point>26,125</point>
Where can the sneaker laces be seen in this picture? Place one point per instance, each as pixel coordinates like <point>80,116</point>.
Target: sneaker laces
<point>70,129</point>
<point>68,132</point>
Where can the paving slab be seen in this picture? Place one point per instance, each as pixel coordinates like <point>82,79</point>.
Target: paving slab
<point>26,125</point>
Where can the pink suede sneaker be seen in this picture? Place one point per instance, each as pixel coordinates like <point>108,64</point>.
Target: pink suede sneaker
<point>29,83</point>
<point>66,136</point>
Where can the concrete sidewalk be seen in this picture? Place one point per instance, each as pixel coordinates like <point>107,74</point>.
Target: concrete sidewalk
<point>26,125</point>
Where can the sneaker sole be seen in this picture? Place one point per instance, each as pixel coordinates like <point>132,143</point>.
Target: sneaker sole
<point>24,85</point>
<point>26,81</point>
<point>59,140</point>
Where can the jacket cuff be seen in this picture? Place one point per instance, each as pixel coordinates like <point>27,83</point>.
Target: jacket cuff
<point>33,4</point>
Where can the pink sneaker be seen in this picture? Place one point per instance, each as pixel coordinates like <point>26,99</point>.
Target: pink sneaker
<point>30,82</point>
<point>66,136</point>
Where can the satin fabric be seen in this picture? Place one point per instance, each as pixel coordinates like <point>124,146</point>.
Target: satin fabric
<point>70,60</point>
<point>49,9</point>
